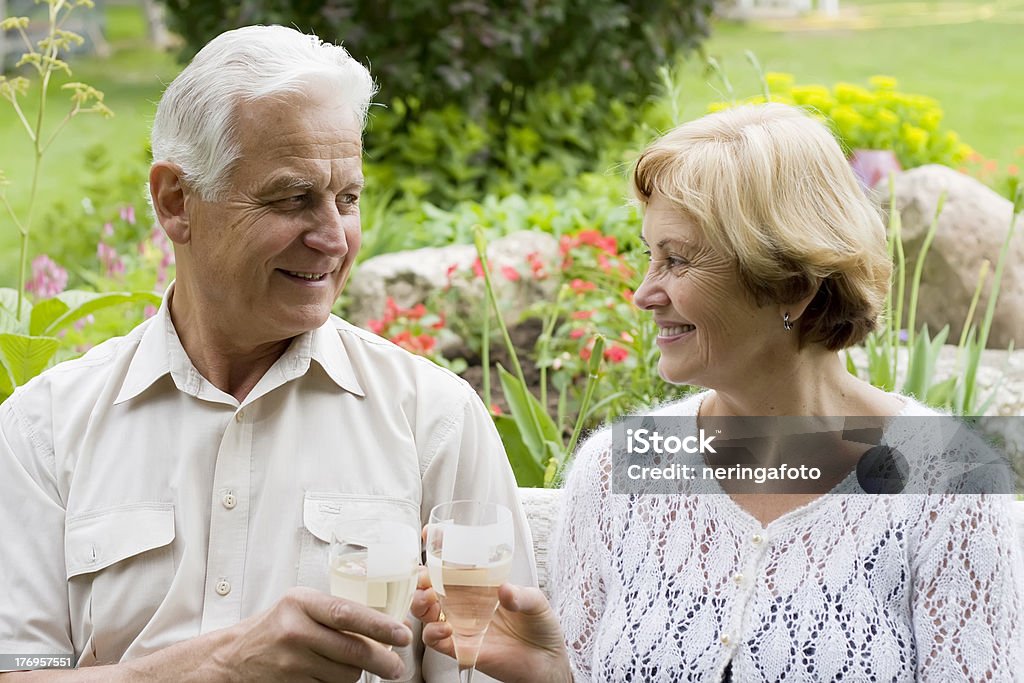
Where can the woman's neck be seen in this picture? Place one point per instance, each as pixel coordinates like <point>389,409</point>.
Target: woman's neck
<point>814,383</point>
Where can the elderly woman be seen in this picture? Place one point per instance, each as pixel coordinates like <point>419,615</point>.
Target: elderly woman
<point>766,259</point>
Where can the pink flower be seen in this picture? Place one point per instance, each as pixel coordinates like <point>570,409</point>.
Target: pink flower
<point>149,311</point>
<point>112,264</point>
<point>108,229</point>
<point>48,279</point>
<point>510,273</point>
<point>582,315</point>
<point>128,214</point>
<point>577,333</point>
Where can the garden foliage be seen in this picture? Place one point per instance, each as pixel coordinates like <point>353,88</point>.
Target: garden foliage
<point>479,56</point>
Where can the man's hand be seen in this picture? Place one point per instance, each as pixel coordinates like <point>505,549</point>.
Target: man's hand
<point>524,643</point>
<point>311,636</point>
<point>307,636</point>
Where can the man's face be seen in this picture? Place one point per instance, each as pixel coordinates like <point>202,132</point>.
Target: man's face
<point>269,259</point>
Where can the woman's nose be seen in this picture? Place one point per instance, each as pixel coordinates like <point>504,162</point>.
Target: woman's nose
<point>650,295</point>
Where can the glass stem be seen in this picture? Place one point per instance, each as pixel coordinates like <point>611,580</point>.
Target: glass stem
<point>466,674</point>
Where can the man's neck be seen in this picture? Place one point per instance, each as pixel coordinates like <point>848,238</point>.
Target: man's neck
<point>232,368</point>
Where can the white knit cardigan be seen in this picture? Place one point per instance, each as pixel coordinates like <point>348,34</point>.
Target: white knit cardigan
<point>847,587</point>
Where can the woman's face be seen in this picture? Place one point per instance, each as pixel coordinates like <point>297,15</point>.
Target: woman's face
<point>710,331</point>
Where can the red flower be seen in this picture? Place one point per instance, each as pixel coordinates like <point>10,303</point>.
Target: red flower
<point>627,294</point>
<point>579,286</point>
<point>416,312</point>
<point>376,326</point>
<point>582,315</point>
<point>577,333</point>
<point>439,325</point>
<point>536,265</point>
<point>565,243</point>
<point>496,409</point>
<point>615,354</point>
<point>478,269</point>
<point>510,273</point>
<point>585,353</point>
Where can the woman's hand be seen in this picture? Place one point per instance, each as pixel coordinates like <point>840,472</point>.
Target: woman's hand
<point>523,644</point>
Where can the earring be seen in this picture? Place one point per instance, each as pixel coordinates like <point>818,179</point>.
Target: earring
<point>786,323</point>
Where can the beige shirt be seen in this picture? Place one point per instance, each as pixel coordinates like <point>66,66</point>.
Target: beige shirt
<point>141,506</point>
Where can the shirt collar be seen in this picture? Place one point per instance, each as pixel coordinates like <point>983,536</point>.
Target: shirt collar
<point>160,353</point>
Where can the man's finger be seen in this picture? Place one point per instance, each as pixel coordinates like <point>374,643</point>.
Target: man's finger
<point>344,615</point>
<point>345,652</point>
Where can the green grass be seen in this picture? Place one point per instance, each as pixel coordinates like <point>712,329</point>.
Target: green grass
<point>966,54</point>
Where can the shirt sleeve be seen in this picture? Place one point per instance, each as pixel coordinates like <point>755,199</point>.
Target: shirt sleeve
<point>580,543</point>
<point>466,460</point>
<point>968,579</point>
<point>34,611</point>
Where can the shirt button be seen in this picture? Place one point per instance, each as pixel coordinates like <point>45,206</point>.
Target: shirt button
<point>756,540</point>
<point>239,416</point>
<point>223,587</point>
<point>229,501</point>
<point>725,639</point>
<point>738,578</point>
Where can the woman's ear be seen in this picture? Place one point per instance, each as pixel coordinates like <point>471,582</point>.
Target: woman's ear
<point>797,308</point>
<point>168,193</point>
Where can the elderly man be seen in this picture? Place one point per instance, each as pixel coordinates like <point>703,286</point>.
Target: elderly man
<point>166,501</point>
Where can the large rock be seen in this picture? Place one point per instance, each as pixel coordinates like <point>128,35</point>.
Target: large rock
<point>971,229</point>
<point>412,277</point>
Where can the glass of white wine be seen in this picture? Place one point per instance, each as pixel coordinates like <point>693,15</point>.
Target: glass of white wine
<point>469,554</point>
<point>375,563</point>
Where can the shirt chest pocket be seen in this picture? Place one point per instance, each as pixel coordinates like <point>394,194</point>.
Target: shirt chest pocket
<point>120,566</point>
<point>321,511</point>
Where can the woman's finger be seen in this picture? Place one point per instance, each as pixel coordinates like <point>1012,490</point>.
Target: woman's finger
<point>438,636</point>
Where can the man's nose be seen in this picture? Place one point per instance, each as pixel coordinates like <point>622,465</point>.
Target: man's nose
<point>328,236</point>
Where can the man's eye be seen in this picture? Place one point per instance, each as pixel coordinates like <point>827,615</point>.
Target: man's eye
<point>294,201</point>
<point>348,199</point>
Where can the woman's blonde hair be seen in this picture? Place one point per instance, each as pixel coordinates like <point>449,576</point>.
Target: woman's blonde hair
<point>769,186</point>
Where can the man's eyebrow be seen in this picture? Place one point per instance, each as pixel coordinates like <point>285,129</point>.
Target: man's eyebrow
<point>288,182</point>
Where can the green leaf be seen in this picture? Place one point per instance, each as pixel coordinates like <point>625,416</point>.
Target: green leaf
<point>529,473</point>
<point>26,356</point>
<point>539,432</point>
<point>53,315</point>
<point>9,312</point>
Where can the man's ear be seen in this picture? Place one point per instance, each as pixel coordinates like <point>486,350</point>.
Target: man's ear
<point>168,193</point>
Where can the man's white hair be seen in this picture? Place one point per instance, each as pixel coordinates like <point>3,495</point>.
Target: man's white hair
<point>195,124</point>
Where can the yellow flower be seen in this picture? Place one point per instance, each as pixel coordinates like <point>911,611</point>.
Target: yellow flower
<point>779,82</point>
<point>883,82</point>
<point>915,138</point>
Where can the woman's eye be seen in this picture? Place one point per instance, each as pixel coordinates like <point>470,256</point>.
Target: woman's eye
<point>676,262</point>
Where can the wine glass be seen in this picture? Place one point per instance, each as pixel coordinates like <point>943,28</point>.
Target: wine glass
<point>375,563</point>
<point>469,554</point>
